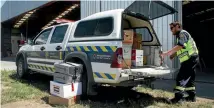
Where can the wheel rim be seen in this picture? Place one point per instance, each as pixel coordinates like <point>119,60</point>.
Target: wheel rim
<point>20,68</point>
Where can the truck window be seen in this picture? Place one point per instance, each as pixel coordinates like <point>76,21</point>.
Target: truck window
<point>43,37</point>
<point>146,35</point>
<point>94,28</point>
<point>59,34</point>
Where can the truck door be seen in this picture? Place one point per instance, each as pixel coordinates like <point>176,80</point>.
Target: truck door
<point>56,46</point>
<point>36,56</point>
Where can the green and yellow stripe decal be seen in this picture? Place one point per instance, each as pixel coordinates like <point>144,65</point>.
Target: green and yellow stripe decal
<point>92,48</point>
<point>104,75</point>
<point>51,69</point>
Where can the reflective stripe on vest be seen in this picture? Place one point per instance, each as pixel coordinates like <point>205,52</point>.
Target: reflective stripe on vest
<point>189,88</point>
<point>184,54</point>
<point>179,88</point>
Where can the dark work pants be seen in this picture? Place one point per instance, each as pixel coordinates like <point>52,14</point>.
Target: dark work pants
<point>185,80</point>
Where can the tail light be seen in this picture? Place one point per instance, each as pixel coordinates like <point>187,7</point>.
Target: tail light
<point>117,58</point>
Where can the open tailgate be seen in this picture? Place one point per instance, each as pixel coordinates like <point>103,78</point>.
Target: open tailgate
<point>150,9</point>
<point>153,71</point>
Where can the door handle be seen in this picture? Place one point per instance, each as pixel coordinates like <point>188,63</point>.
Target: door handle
<point>42,48</point>
<point>58,47</point>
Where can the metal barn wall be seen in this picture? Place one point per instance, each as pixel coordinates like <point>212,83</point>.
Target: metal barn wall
<point>161,25</point>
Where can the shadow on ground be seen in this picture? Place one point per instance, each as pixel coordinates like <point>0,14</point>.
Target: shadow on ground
<point>203,90</point>
<point>113,97</point>
<point>42,82</point>
<point>122,97</point>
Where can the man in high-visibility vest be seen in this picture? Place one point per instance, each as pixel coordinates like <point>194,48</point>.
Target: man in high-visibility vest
<point>187,53</point>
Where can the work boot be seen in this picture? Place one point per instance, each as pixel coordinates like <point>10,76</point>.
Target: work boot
<point>191,97</point>
<point>177,99</point>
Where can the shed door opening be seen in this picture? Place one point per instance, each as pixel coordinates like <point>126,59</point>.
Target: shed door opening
<point>198,20</point>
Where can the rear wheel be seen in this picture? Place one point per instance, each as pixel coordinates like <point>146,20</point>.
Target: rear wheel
<point>83,77</point>
<point>21,71</point>
<point>84,80</point>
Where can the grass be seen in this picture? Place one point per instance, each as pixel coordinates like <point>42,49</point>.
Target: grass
<point>14,89</point>
<point>36,87</point>
<point>201,103</point>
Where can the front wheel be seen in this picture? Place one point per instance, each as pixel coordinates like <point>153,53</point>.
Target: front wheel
<point>21,72</point>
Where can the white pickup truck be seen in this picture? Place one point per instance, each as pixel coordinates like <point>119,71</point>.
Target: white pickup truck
<point>96,43</point>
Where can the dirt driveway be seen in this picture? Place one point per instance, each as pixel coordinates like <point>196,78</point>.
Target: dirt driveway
<point>8,63</point>
<point>27,104</point>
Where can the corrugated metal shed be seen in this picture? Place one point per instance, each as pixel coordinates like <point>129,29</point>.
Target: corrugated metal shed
<point>161,25</point>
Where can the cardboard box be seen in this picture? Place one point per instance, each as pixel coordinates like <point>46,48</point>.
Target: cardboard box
<point>65,90</point>
<point>127,54</point>
<point>137,41</point>
<point>128,36</point>
<point>127,51</point>
<point>68,68</point>
<point>138,61</point>
<point>66,79</point>
<point>55,100</point>
<point>137,57</point>
<point>136,52</point>
<point>126,62</point>
<point>144,60</point>
<point>157,58</point>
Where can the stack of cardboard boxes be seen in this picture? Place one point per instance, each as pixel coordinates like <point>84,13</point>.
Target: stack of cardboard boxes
<point>132,49</point>
<point>137,52</point>
<point>127,48</point>
<point>66,87</point>
<point>137,41</point>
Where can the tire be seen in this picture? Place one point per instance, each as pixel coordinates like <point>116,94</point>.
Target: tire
<point>83,79</point>
<point>21,71</point>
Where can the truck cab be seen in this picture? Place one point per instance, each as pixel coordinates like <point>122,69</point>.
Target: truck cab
<point>103,43</point>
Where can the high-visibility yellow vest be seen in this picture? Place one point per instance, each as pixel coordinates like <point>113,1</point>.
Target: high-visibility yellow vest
<point>185,54</point>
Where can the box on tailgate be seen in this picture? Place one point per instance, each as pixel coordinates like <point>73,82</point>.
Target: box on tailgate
<point>137,57</point>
